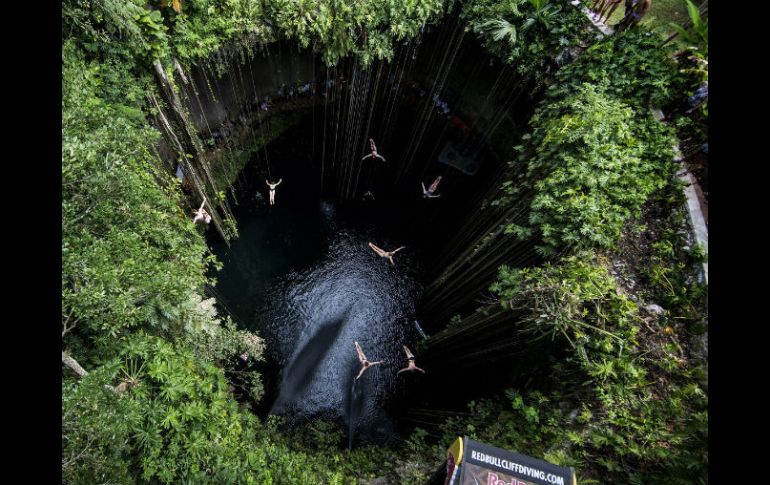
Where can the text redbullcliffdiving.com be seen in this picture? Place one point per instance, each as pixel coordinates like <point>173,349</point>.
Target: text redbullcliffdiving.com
<point>514,467</point>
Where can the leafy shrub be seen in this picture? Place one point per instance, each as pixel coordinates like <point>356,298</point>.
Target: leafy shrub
<point>95,432</point>
<point>636,69</point>
<point>592,163</point>
<point>529,34</point>
<point>174,414</point>
<point>366,29</point>
<point>130,255</point>
<point>204,27</point>
<point>624,407</point>
<point>175,422</point>
<point>138,34</point>
<point>570,301</point>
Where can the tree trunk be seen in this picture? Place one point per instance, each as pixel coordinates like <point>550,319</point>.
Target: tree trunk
<point>198,164</point>
<point>73,364</point>
<point>81,372</point>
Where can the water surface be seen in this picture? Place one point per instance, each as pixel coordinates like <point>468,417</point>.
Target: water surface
<point>303,276</point>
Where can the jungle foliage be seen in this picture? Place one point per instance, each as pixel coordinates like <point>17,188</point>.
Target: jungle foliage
<point>134,266</point>
<point>626,406</point>
<point>129,253</point>
<point>593,162</point>
<point>629,405</point>
<point>139,33</point>
<point>637,69</point>
<point>595,154</point>
<point>528,34</point>
<point>366,29</point>
<point>177,423</point>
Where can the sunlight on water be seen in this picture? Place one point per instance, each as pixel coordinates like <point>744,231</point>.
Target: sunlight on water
<point>312,311</point>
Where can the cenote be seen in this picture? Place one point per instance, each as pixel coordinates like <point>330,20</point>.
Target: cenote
<point>301,273</point>
<point>551,276</point>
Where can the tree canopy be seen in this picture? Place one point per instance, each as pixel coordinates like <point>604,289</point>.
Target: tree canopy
<point>136,316</point>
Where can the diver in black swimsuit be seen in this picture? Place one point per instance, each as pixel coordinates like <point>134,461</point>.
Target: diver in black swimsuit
<point>411,367</point>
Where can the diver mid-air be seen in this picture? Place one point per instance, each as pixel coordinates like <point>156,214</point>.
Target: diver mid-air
<point>411,367</point>
<point>374,152</point>
<point>272,190</point>
<point>429,192</point>
<point>386,254</point>
<point>365,363</point>
<point>201,214</point>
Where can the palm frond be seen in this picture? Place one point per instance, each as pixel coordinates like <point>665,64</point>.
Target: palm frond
<point>692,10</point>
<point>501,29</point>
<point>528,24</point>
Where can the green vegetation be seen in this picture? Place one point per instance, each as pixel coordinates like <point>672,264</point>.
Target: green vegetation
<point>636,411</point>
<point>338,28</point>
<point>176,423</point>
<point>575,300</point>
<point>334,28</point>
<point>129,253</point>
<point>136,407</point>
<point>627,404</point>
<point>135,32</point>
<point>528,34</point>
<point>592,169</point>
<point>595,154</point>
<point>662,13</point>
<point>637,69</point>
<point>155,402</point>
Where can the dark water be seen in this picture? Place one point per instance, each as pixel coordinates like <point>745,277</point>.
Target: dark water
<point>316,314</point>
<point>303,276</point>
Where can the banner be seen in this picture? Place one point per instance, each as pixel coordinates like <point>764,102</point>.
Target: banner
<point>471,462</point>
